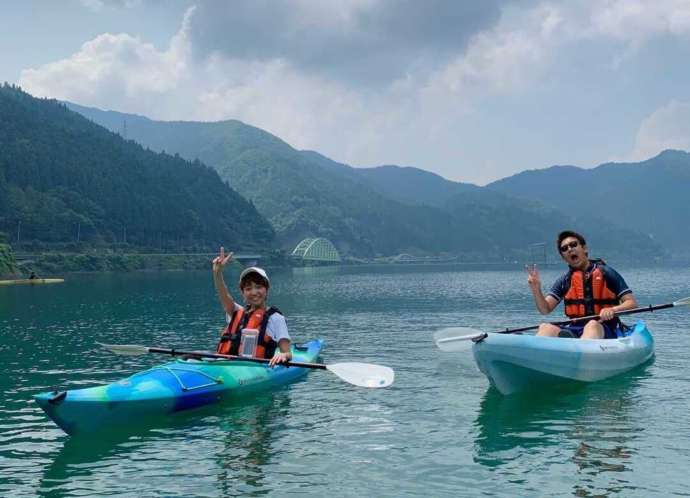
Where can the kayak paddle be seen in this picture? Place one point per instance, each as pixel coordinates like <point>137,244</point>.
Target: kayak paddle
<point>455,338</point>
<point>358,374</point>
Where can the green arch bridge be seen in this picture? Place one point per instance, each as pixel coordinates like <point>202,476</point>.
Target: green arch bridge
<point>316,249</point>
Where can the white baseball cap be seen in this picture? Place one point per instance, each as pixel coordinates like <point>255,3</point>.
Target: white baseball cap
<point>255,269</point>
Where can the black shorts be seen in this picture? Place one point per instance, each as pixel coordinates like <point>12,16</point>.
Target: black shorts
<point>612,329</point>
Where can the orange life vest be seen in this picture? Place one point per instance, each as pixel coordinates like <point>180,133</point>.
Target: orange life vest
<point>242,318</point>
<point>588,293</point>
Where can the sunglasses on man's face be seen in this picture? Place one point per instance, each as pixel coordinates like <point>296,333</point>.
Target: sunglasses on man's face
<point>570,245</point>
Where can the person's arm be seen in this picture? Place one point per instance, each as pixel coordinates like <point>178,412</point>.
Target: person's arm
<point>284,346</point>
<point>277,329</point>
<point>224,296</point>
<point>545,304</point>
<point>283,353</point>
<point>617,284</point>
<point>628,302</point>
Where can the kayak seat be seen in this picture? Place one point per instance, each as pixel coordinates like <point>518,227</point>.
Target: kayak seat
<point>566,333</point>
<point>624,330</point>
<point>57,397</point>
<point>301,347</point>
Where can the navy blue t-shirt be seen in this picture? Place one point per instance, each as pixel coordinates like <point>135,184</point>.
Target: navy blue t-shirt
<point>613,279</point>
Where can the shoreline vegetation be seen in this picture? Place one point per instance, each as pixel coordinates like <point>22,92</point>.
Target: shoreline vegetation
<point>47,262</point>
<point>55,263</point>
<point>8,265</point>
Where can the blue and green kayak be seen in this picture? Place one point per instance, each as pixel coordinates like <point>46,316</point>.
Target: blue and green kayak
<point>172,387</point>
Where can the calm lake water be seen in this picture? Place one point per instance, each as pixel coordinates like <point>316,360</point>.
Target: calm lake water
<point>439,431</point>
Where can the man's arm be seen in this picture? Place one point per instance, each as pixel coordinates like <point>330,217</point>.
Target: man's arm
<point>545,304</point>
<point>628,302</point>
<point>617,284</point>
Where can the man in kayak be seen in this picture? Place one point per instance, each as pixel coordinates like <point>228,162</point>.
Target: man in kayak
<point>252,330</point>
<point>589,287</point>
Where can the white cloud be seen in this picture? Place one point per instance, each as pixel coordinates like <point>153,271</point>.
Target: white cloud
<point>638,20</point>
<point>666,128</point>
<point>411,120</point>
<point>119,69</point>
<point>94,5</point>
<point>99,5</point>
<point>504,58</point>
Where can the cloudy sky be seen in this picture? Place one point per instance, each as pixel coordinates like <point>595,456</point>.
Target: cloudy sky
<point>472,90</point>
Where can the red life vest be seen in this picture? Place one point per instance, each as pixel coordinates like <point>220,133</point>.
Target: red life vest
<point>244,319</point>
<point>588,293</point>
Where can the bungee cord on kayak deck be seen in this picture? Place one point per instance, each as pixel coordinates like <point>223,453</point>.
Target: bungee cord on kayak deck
<point>358,374</point>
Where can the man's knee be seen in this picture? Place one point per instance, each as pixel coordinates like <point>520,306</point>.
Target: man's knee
<point>593,330</point>
<point>548,330</point>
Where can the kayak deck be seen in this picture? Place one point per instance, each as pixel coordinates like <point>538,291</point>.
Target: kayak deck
<point>519,363</point>
<point>175,386</point>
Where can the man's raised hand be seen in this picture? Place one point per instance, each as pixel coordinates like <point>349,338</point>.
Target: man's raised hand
<point>533,278</point>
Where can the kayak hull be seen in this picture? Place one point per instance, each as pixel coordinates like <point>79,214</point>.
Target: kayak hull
<point>520,363</point>
<point>32,281</point>
<point>172,387</point>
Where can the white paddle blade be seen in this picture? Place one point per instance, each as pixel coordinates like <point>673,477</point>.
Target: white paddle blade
<point>363,374</point>
<point>682,302</point>
<point>125,349</point>
<point>454,339</point>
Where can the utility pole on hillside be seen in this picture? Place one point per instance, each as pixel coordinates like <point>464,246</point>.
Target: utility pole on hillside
<point>19,227</point>
<point>537,253</point>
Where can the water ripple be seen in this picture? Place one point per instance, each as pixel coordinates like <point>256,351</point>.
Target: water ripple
<point>438,431</point>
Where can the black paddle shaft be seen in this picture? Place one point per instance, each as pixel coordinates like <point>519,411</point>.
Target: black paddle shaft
<point>203,354</point>
<point>592,317</point>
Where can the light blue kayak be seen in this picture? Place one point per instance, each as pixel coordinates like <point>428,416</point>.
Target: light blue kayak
<point>518,363</point>
<point>175,386</point>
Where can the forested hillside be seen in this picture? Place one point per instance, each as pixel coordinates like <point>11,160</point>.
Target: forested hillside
<point>65,179</point>
<point>295,191</point>
<point>651,196</point>
<point>365,212</point>
<point>8,266</point>
<point>409,184</point>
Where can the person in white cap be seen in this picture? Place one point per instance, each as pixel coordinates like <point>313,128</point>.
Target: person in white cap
<point>254,329</point>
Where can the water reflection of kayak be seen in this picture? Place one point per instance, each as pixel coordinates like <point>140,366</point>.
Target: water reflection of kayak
<point>241,432</point>
<point>172,387</point>
<point>32,281</point>
<point>518,363</point>
<point>532,423</point>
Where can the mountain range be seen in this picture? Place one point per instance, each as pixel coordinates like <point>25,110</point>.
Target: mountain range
<point>384,210</point>
<point>651,196</point>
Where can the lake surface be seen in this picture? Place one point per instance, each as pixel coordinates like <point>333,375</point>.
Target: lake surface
<point>439,431</point>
